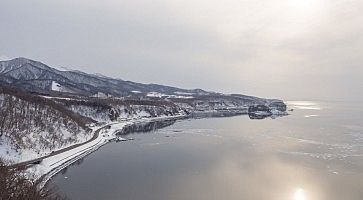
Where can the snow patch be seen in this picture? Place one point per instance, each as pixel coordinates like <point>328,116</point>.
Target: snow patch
<point>56,86</point>
<point>155,94</point>
<point>184,93</point>
<point>136,91</point>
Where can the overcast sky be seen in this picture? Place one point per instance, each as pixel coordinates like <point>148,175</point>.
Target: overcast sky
<point>290,49</point>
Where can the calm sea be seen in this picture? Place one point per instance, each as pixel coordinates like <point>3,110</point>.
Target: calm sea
<point>315,153</point>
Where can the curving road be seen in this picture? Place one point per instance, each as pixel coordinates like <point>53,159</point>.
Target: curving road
<point>28,163</point>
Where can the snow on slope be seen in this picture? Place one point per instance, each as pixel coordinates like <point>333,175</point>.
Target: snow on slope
<point>15,155</point>
<point>32,72</point>
<point>30,127</point>
<point>56,86</point>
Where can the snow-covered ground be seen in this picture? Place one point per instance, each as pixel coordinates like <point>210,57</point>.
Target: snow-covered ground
<point>12,155</point>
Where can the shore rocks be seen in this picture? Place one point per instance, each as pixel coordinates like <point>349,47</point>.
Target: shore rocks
<point>278,105</point>
<point>260,111</point>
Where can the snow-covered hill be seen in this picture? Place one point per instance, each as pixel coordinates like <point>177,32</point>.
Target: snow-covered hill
<point>36,76</point>
<point>32,126</point>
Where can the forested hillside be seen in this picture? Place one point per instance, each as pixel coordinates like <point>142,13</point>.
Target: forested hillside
<point>31,125</point>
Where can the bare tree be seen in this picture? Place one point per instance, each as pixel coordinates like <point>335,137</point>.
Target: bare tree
<point>15,186</point>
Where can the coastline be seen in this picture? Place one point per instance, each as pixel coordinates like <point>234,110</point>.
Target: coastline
<point>52,165</point>
<point>42,169</point>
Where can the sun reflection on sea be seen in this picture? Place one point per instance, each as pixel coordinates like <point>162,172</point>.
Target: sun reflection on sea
<point>299,194</point>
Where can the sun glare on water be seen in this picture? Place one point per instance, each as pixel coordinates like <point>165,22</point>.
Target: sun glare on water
<point>299,194</point>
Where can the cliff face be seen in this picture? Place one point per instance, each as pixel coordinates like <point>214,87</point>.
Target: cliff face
<point>120,110</point>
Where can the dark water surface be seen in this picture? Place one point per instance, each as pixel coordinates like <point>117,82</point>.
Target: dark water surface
<point>316,153</point>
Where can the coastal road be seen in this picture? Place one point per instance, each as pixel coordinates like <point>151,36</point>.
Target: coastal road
<point>28,163</point>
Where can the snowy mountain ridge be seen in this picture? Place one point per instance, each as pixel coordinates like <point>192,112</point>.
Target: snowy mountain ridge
<point>35,76</point>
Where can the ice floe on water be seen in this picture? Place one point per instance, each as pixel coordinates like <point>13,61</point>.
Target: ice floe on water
<point>353,127</point>
<point>324,156</point>
<point>308,116</point>
<point>204,132</point>
<point>155,144</point>
<point>304,105</point>
<point>196,132</point>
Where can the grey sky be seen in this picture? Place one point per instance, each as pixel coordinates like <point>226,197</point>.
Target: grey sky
<point>291,49</point>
